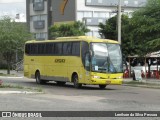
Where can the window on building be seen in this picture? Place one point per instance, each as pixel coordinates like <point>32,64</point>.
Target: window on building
<point>41,36</point>
<point>100,1</point>
<point>37,1</point>
<point>89,33</point>
<point>100,14</point>
<point>89,20</point>
<point>39,17</point>
<point>87,14</point>
<point>136,2</point>
<point>126,2</point>
<point>100,20</point>
<point>89,1</point>
<point>80,16</point>
<point>96,33</point>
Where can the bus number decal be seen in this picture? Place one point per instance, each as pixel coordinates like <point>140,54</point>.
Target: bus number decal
<point>59,60</point>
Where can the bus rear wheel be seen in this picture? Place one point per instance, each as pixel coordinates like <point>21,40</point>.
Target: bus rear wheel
<point>76,82</point>
<point>102,86</point>
<point>38,78</point>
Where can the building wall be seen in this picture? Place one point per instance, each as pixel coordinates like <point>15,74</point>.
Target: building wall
<point>37,16</point>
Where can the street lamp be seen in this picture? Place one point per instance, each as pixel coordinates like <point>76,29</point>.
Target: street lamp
<point>119,21</point>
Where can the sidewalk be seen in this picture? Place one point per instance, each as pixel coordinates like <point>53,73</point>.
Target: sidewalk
<point>147,83</point>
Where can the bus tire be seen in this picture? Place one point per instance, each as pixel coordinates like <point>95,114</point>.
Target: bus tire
<point>75,82</point>
<point>38,78</point>
<point>102,86</point>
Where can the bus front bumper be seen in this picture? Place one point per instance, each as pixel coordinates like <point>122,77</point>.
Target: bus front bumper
<point>106,81</point>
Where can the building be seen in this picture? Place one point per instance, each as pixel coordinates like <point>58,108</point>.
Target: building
<point>42,14</point>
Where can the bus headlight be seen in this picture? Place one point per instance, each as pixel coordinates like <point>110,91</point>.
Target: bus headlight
<point>120,77</point>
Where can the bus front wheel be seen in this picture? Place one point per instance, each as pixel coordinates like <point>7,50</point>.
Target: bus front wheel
<point>102,86</point>
<point>76,82</point>
<point>38,78</point>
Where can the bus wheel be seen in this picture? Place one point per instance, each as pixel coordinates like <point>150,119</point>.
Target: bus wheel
<point>75,81</point>
<point>38,78</point>
<point>61,83</point>
<point>102,86</point>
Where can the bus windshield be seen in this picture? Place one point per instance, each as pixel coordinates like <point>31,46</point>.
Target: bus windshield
<point>106,58</point>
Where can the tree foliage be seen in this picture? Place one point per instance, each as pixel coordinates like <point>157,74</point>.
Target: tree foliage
<point>71,29</point>
<point>12,38</point>
<point>145,28</point>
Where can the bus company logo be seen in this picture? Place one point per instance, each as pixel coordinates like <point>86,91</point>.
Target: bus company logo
<point>6,114</point>
<point>59,60</point>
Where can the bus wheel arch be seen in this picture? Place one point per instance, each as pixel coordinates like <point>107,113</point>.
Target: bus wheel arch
<point>75,80</point>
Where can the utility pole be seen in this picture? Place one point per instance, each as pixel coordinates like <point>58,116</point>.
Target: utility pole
<point>119,21</point>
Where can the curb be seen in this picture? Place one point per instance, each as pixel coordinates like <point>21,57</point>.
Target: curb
<point>154,86</point>
<point>10,77</point>
<point>19,92</point>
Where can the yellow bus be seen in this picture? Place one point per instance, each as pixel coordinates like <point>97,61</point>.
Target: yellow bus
<point>81,60</point>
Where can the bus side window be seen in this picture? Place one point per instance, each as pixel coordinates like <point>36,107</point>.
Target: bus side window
<point>49,48</point>
<point>41,49</point>
<point>58,48</point>
<point>27,48</point>
<point>76,48</point>
<point>67,48</point>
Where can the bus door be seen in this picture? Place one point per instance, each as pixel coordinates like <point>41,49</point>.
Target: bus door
<point>87,67</point>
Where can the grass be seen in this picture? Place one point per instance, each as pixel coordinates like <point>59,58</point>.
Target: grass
<point>21,87</point>
<point>142,84</point>
<point>2,74</point>
<point>136,82</point>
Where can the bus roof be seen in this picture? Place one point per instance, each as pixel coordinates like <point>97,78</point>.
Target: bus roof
<point>75,38</point>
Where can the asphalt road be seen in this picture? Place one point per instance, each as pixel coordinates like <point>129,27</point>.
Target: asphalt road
<point>89,98</point>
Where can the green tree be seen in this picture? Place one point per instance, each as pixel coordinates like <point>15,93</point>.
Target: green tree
<point>12,38</point>
<point>71,29</point>
<point>145,28</point>
<point>109,29</point>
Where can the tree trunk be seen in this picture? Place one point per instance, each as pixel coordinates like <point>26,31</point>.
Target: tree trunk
<point>8,67</point>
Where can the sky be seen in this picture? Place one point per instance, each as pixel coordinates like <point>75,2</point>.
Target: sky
<point>13,7</point>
